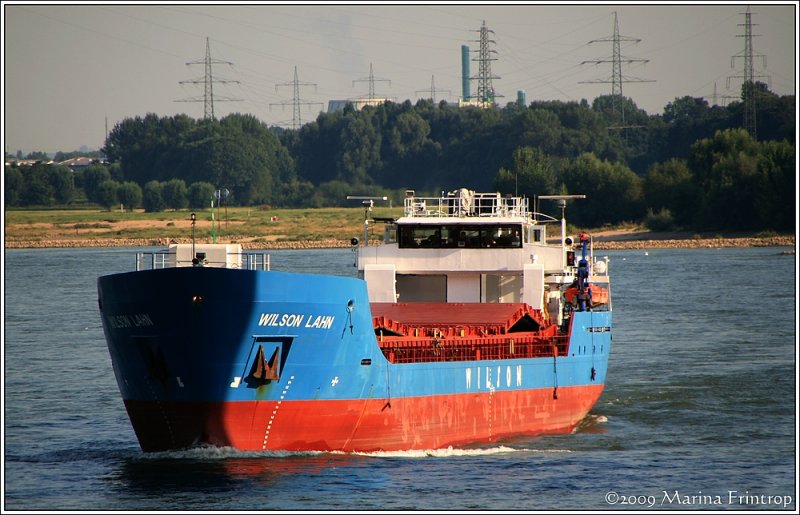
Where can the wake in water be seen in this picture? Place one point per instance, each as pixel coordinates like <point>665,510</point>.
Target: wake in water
<point>591,424</point>
<point>210,453</point>
<point>451,452</point>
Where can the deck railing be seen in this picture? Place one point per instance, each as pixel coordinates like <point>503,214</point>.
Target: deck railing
<point>165,259</point>
<point>466,204</point>
<point>410,350</point>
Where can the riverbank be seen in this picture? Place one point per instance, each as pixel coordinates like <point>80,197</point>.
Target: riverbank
<point>776,241</point>
<point>264,229</point>
<point>636,239</point>
<point>609,240</point>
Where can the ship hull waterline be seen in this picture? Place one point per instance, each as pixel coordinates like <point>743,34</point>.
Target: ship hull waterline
<point>361,425</point>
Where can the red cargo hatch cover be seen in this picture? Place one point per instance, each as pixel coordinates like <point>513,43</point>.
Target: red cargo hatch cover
<point>498,318</point>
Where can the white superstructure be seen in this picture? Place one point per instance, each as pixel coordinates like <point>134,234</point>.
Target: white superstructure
<point>468,247</point>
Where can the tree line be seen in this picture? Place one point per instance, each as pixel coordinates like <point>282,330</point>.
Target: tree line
<point>689,167</point>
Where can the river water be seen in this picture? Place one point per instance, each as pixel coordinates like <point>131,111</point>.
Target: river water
<point>699,410</point>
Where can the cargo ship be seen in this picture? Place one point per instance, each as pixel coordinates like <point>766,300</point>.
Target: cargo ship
<point>465,326</point>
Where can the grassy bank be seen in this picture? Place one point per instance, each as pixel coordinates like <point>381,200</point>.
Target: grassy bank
<point>258,228</point>
<point>252,226</point>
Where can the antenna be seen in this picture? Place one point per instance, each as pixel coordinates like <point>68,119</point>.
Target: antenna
<point>296,102</point>
<point>562,203</point>
<point>617,78</point>
<point>208,84</point>
<point>367,202</point>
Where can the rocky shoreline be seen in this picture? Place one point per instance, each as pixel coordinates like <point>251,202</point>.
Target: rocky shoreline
<point>773,241</point>
<point>605,243</point>
<point>149,242</point>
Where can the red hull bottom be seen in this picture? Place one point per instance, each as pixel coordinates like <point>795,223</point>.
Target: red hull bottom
<point>360,425</point>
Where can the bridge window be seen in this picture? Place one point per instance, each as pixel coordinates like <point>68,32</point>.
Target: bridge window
<point>419,236</point>
<point>460,236</point>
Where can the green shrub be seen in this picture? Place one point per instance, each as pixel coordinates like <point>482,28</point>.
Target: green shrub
<point>661,221</point>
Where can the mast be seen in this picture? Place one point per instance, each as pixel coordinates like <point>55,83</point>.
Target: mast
<point>562,203</point>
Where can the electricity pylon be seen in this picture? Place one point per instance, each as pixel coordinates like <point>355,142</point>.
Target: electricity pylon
<point>296,101</point>
<point>432,91</point>
<point>616,79</point>
<point>748,77</point>
<point>371,80</point>
<point>208,81</point>
<point>485,93</point>
<point>717,99</point>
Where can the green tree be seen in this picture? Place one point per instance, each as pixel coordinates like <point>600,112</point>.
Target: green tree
<point>152,200</point>
<point>239,153</point>
<point>62,180</point>
<point>37,190</point>
<point>775,116</point>
<point>129,195</point>
<point>688,119</point>
<point>37,155</point>
<point>670,186</point>
<point>107,194</point>
<point>13,186</point>
<point>63,156</point>
<point>725,171</point>
<point>686,110</point>
<point>408,134</point>
<point>613,192</point>
<point>149,147</point>
<point>115,169</point>
<point>775,195</point>
<point>175,194</point>
<point>296,193</point>
<point>200,195</point>
<point>359,157</point>
<point>531,174</point>
<point>92,178</point>
<point>431,147</point>
<point>317,147</point>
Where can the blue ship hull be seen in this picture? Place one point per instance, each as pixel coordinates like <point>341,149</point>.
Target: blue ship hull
<point>272,360</point>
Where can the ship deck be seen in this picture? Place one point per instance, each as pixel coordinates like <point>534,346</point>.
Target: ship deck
<point>428,331</point>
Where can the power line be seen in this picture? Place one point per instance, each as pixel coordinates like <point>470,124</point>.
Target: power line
<point>208,81</point>
<point>748,77</point>
<point>617,78</point>
<point>296,101</point>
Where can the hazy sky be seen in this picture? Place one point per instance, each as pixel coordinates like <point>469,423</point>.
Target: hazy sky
<point>67,68</point>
